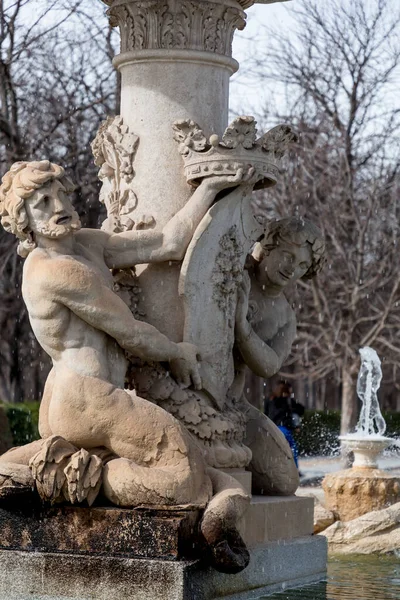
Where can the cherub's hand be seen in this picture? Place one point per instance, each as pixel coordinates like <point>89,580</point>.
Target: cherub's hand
<point>185,368</point>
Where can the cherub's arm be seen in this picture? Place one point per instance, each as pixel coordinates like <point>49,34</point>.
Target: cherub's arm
<point>135,247</point>
<point>92,301</point>
<point>264,358</point>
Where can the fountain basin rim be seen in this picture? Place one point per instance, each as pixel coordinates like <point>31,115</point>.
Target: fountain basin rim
<point>362,438</point>
<point>370,445</point>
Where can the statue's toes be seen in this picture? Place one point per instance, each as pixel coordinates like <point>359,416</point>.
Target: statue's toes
<point>230,554</point>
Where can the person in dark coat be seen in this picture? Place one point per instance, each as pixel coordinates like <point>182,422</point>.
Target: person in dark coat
<point>286,413</point>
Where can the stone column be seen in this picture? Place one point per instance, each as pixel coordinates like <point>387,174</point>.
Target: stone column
<point>175,63</point>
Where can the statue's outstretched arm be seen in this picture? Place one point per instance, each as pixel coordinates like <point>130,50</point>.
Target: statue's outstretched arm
<point>135,247</point>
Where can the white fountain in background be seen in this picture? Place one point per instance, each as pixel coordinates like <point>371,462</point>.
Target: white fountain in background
<point>368,440</point>
<point>351,493</point>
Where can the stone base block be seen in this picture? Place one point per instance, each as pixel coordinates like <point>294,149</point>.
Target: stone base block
<point>144,533</point>
<point>50,576</point>
<point>273,518</point>
<point>169,534</point>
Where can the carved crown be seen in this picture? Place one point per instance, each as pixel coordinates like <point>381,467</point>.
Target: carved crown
<point>238,147</point>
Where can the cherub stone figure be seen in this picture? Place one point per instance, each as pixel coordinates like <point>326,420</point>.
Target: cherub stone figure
<point>291,249</point>
<point>87,419</point>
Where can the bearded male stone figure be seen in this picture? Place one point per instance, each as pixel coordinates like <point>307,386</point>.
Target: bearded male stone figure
<point>85,328</point>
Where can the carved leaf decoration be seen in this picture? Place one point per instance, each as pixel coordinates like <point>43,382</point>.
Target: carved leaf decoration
<point>219,425</point>
<point>277,140</point>
<point>48,465</point>
<point>189,136</point>
<point>115,146</point>
<point>210,33</point>
<point>128,202</point>
<point>242,131</point>
<point>203,430</point>
<point>190,412</point>
<point>167,29</point>
<point>83,477</point>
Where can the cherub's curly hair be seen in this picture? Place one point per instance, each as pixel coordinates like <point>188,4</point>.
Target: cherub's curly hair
<point>18,184</point>
<point>294,230</point>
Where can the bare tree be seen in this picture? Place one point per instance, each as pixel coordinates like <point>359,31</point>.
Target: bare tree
<point>337,75</point>
<point>56,85</point>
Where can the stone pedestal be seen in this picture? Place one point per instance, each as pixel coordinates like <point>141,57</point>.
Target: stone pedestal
<point>103,553</point>
<point>357,491</point>
<point>49,576</point>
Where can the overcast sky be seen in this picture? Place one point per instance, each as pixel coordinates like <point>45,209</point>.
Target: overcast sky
<point>247,96</point>
<point>245,93</point>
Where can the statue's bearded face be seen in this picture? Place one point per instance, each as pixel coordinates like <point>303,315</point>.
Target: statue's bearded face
<point>285,263</point>
<point>50,211</point>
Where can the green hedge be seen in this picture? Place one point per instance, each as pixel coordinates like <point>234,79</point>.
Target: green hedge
<point>23,422</point>
<point>319,434</point>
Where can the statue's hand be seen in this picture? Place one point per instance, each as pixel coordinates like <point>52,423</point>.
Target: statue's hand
<point>185,368</point>
<point>222,182</point>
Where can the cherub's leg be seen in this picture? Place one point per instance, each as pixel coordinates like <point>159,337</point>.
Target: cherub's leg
<point>273,469</point>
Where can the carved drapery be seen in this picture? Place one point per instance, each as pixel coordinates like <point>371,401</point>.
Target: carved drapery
<point>176,24</point>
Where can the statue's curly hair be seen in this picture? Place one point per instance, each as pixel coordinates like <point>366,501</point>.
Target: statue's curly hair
<point>18,184</point>
<point>294,230</point>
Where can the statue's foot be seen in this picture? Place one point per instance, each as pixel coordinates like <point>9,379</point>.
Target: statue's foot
<point>63,472</point>
<point>16,484</point>
<point>229,554</point>
<point>83,477</point>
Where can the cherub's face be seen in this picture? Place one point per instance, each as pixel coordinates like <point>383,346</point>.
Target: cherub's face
<point>50,211</point>
<point>285,263</point>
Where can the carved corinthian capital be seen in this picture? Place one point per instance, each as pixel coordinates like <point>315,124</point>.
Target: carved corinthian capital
<point>177,24</point>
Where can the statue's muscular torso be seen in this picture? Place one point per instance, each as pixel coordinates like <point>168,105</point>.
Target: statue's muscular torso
<point>66,337</point>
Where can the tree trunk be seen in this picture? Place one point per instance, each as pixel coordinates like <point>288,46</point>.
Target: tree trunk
<point>349,402</point>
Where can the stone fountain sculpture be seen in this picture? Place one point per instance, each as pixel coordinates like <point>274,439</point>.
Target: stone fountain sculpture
<point>141,409</point>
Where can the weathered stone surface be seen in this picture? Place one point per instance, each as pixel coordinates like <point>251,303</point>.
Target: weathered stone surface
<point>323,517</point>
<point>355,492</point>
<point>16,484</point>
<point>242,476</point>
<point>168,534</point>
<point>47,576</point>
<point>376,532</point>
